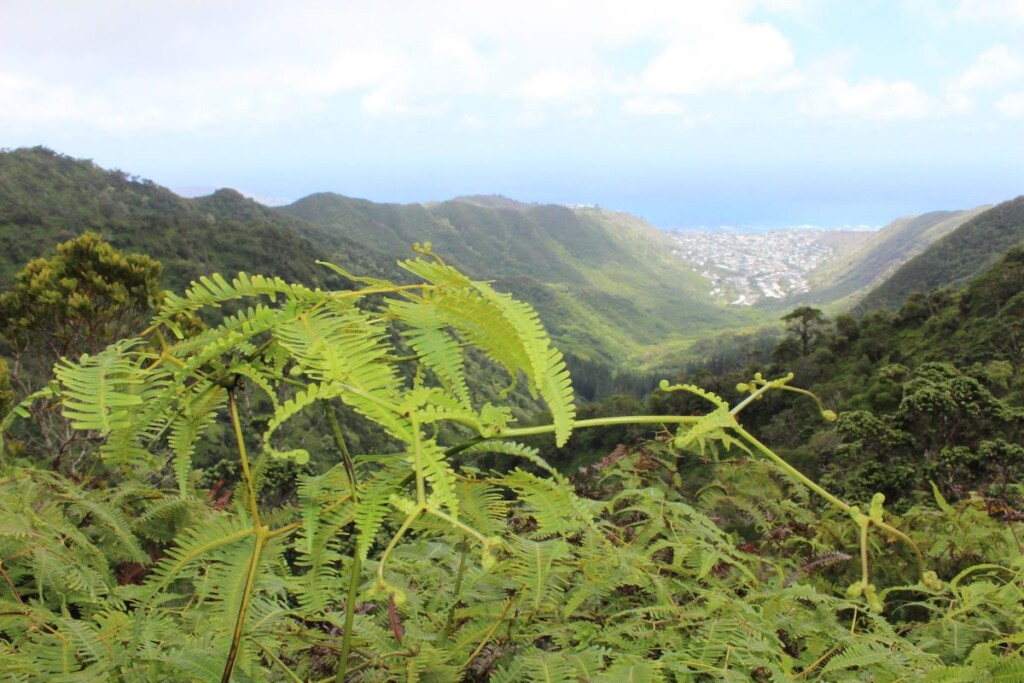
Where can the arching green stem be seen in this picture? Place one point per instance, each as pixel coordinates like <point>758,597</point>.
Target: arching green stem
<point>259,541</point>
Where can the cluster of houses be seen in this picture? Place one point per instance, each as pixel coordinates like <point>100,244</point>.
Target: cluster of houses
<point>749,267</point>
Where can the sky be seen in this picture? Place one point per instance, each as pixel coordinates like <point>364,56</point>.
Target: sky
<point>688,113</point>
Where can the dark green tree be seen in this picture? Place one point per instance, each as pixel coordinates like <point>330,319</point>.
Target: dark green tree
<point>79,301</point>
<point>805,324</point>
<point>6,393</point>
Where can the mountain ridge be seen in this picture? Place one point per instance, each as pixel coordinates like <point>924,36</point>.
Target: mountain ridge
<point>953,260</point>
<point>602,283</point>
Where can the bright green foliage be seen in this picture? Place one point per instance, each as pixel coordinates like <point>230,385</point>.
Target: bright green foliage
<point>87,296</point>
<point>406,566</point>
<point>6,392</point>
<point>954,259</point>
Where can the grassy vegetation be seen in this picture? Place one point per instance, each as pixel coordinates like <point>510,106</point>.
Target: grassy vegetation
<point>954,259</point>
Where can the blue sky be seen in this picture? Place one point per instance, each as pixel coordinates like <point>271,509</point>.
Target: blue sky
<point>717,112</point>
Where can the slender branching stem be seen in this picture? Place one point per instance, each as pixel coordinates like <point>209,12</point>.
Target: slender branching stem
<point>864,567</point>
<point>793,472</point>
<point>450,620</point>
<point>350,615</point>
<point>413,516</point>
<point>250,581</point>
<point>490,633</point>
<point>457,524</point>
<point>599,422</point>
<point>851,510</point>
<point>417,454</point>
<point>339,442</point>
<point>277,660</point>
<point>357,562</point>
<point>262,533</point>
<point>253,505</point>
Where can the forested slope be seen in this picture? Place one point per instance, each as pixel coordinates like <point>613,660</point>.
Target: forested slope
<point>953,260</point>
<point>855,271</point>
<point>605,283</point>
<point>46,198</point>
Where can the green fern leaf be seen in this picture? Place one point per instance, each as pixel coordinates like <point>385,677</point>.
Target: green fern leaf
<point>200,540</point>
<point>437,350</point>
<point>214,290</point>
<point>374,503</point>
<point>858,655</point>
<point>198,413</point>
<point>98,391</point>
<point>492,321</point>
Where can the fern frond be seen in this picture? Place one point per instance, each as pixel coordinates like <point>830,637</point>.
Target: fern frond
<point>437,350</point>
<point>214,290</point>
<point>99,392</point>
<point>537,665</point>
<point>347,350</point>
<point>112,521</point>
<point>858,655</point>
<point>554,505</point>
<point>532,565</point>
<point>198,413</point>
<point>374,503</point>
<point>632,670</point>
<point>545,366</point>
<point>426,455</point>
<point>207,537</point>
<point>482,506</point>
<point>508,331</point>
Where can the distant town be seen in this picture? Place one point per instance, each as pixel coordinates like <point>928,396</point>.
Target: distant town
<point>746,268</point>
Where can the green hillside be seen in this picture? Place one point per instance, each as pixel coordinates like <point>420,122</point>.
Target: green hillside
<point>605,283</point>
<point>953,260</point>
<point>46,198</point>
<point>862,265</point>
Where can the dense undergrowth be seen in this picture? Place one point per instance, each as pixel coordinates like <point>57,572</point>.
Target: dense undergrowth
<point>446,550</point>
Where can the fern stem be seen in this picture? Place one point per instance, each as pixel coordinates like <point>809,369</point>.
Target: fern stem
<point>253,507</point>
<point>413,516</point>
<point>339,442</point>
<point>250,580</point>
<point>450,620</point>
<point>599,422</point>
<point>864,567</point>
<point>350,615</point>
<point>457,524</point>
<point>851,510</point>
<point>756,394</point>
<point>417,451</point>
<point>7,578</point>
<point>286,529</point>
<point>276,660</point>
<point>487,636</point>
<point>821,660</point>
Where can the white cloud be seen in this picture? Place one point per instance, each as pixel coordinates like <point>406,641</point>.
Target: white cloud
<point>996,67</point>
<point>1011,11</point>
<point>735,55</point>
<point>557,84</point>
<point>872,99</point>
<point>1011,105</point>
<point>196,64</point>
<point>957,104</point>
<point>653,106</point>
<point>473,122</point>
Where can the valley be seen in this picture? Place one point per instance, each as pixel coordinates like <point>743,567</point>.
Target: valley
<point>532,428</point>
<point>747,268</point>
